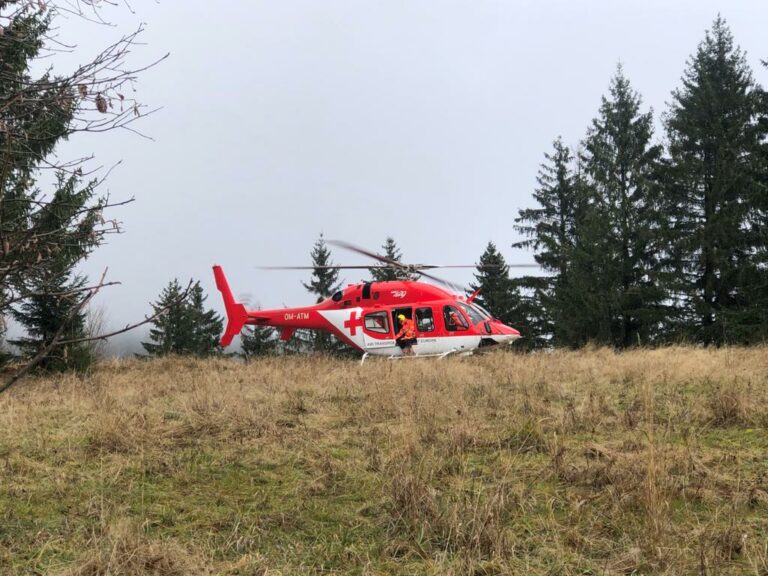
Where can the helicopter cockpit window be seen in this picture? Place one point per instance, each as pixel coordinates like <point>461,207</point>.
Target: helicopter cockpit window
<point>425,322</point>
<point>337,296</point>
<point>454,320</point>
<point>482,310</point>
<point>377,322</point>
<point>474,315</point>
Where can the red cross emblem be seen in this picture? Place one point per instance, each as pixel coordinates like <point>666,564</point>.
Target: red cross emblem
<point>353,322</point>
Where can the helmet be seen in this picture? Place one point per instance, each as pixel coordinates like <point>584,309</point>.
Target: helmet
<point>401,317</point>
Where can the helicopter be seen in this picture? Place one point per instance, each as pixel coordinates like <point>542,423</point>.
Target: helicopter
<point>367,315</point>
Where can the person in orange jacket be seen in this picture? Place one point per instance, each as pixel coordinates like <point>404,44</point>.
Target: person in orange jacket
<point>406,338</point>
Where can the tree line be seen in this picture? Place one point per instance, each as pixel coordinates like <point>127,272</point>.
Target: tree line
<point>648,241</point>
<point>642,239</point>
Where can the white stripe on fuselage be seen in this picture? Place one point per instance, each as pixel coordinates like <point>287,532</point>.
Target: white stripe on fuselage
<point>426,344</point>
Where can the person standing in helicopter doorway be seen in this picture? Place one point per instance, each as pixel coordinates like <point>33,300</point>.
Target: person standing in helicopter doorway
<point>406,338</point>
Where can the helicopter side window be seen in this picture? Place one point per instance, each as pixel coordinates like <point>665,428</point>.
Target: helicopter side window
<point>377,322</point>
<point>425,322</point>
<point>454,320</point>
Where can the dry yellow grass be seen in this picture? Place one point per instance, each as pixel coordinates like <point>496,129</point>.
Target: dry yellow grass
<point>590,462</point>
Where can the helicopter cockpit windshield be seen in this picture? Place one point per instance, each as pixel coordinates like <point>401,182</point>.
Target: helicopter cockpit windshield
<point>482,311</point>
<point>474,315</point>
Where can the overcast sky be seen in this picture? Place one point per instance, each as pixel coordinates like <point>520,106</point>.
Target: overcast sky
<point>423,120</point>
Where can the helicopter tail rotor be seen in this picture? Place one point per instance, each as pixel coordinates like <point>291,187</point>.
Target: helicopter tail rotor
<point>237,315</point>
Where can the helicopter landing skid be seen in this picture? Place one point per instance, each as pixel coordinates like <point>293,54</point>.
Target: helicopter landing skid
<point>438,356</point>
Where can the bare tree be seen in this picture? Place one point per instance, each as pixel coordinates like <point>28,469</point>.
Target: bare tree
<point>95,324</point>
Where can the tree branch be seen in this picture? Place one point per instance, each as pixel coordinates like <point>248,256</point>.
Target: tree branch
<point>129,327</point>
<point>56,342</point>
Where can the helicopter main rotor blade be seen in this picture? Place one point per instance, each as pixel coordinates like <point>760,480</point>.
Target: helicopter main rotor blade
<point>484,266</point>
<point>364,252</point>
<point>431,266</point>
<point>444,282</point>
<point>408,267</point>
<point>334,267</point>
<point>413,267</point>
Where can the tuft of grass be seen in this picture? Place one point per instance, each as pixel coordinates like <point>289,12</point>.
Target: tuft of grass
<point>526,437</point>
<point>729,404</point>
<point>124,551</point>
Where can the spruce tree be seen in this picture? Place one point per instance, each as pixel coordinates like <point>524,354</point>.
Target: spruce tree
<point>757,291</point>
<point>325,278</point>
<point>169,333</point>
<point>186,328</point>
<point>585,313</point>
<point>53,291</point>
<point>504,297</point>
<point>550,228</point>
<point>205,326</point>
<point>324,282</point>
<point>550,231</point>
<point>45,312</point>
<point>258,341</point>
<point>492,279</point>
<point>621,168</point>
<point>391,252</point>
<point>42,105</point>
<point>715,199</point>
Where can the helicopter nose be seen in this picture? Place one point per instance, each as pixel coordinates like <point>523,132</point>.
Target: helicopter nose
<point>504,334</point>
<point>507,330</point>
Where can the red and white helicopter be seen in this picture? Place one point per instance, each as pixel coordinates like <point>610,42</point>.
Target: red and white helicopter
<point>366,315</point>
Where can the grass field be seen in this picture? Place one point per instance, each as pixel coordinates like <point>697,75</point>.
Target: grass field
<point>591,462</point>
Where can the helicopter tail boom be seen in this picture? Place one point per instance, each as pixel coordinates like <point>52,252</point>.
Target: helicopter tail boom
<point>237,315</point>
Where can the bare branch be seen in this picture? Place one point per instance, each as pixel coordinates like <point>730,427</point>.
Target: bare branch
<point>56,342</point>
<point>147,319</point>
<point>58,294</point>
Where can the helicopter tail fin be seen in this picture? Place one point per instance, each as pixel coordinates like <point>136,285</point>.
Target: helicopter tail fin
<point>237,315</point>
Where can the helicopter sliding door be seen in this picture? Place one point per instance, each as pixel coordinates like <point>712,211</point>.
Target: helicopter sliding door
<point>426,340</point>
<point>377,332</point>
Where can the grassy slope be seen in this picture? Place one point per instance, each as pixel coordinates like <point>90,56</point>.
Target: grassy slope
<point>567,463</point>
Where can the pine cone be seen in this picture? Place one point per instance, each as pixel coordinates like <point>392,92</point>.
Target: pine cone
<point>101,103</point>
